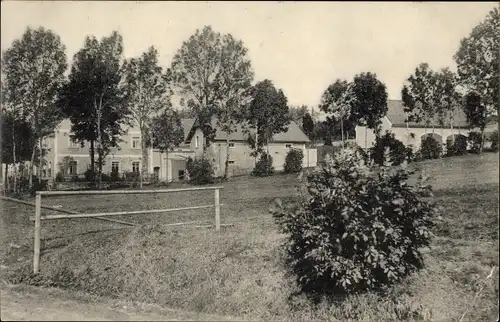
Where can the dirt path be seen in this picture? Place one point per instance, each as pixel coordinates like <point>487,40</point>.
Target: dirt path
<point>22,303</point>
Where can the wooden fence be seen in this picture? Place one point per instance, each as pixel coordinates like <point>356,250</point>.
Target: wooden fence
<point>73,214</point>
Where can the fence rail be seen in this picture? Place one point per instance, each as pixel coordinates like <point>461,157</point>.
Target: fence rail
<point>72,214</point>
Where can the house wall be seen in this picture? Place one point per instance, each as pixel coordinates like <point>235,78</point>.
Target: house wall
<point>369,141</point>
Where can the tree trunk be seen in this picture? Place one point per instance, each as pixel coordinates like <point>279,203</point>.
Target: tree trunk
<point>92,159</point>
<point>452,134</point>
<point>226,166</point>
<point>6,187</point>
<point>366,136</point>
<point>32,167</point>
<point>168,168</point>
<point>482,141</point>
<point>342,134</point>
<point>145,159</point>
<point>40,159</point>
<point>14,157</point>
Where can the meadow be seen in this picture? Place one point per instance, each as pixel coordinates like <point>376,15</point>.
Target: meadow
<point>239,271</point>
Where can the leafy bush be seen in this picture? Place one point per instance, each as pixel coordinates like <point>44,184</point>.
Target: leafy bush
<point>457,147</point>
<point>200,171</point>
<point>115,176</point>
<point>475,142</point>
<point>494,141</point>
<point>357,228</point>
<point>293,161</point>
<point>90,175</point>
<point>59,177</point>
<point>264,166</point>
<point>397,150</point>
<point>105,177</point>
<point>430,149</point>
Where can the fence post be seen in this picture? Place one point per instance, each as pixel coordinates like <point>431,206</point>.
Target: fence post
<point>36,255</point>
<point>217,210</point>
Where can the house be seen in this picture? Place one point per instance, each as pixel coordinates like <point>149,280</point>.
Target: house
<point>412,133</point>
<point>240,159</point>
<point>171,166</point>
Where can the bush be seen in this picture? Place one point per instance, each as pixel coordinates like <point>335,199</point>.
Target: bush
<point>475,142</point>
<point>264,167</point>
<point>90,175</point>
<point>458,147</point>
<point>397,150</point>
<point>357,228</point>
<point>293,161</point>
<point>494,141</point>
<point>115,176</point>
<point>59,177</point>
<point>105,177</point>
<point>200,171</point>
<point>430,149</point>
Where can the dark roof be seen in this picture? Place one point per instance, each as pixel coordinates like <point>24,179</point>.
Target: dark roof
<point>293,134</point>
<point>397,116</point>
<point>187,124</point>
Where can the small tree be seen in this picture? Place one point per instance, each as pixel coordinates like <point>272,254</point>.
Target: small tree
<point>431,148</point>
<point>475,142</point>
<point>356,228</point>
<point>145,93</point>
<point>293,161</point>
<point>308,126</point>
<point>264,167</point>
<point>200,171</point>
<point>476,115</point>
<point>458,146</point>
<point>167,132</point>
<point>398,153</point>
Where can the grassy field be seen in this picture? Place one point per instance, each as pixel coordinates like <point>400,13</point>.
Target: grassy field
<point>239,271</point>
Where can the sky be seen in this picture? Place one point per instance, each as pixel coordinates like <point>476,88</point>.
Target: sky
<point>301,46</point>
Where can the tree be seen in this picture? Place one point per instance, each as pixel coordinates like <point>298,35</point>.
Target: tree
<point>34,68</point>
<point>145,92</point>
<point>446,99</point>
<point>267,114</point>
<point>338,101</point>
<point>297,113</point>
<point>478,63</point>
<point>476,111</point>
<point>167,132</point>
<point>418,96</point>
<point>194,69</point>
<point>370,103</point>
<point>92,99</point>
<point>232,88</point>
<point>308,125</point>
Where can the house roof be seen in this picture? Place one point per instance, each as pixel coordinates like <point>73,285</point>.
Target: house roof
<point>187,124</point>
<point>397,116</point>
<point>293,134</point>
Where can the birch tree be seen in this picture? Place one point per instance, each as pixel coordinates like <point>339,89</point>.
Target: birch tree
<point>33,69</point>
<point>145,93</point>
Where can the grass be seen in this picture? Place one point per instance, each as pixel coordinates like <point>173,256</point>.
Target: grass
<point>239,272</point>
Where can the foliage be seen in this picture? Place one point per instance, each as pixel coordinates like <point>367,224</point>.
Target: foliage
<point>477,62</point>
<point>430,148</point>
<point>264,166</point>
<point>297,113</point>
<point>17,137</point>
<point>370,104</point>
<point>398,153</point>
<point>308,126</point>
<point>115,175</point>
<point>92,98</point>
<point>167,131</point>
<point>64,165</point>
<point>267,113</point>
<point>338,102</point>
<point>418,95</point>
<point>233,88</point>
<point>475,142</point>
<point>475,111</point>
<point>89,175</point>
<point>445,99</point>
<point>200,171</point>
<point>357,228</point>
<point>293,161</point>
<point>145,93</point>
<point>458,146</point>
<point>60,177</point>
<point>32,75</point>
<point>494,140</point>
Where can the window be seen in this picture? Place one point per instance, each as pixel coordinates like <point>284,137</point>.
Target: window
<point>197,142</point>
<point>135,166</point>
<point>115,165</point>
<point>181,174</point>
<point>73,167</point>
<point>231,144</point>
<point>136,142</point>
<point>288,146</point>
<point>73,144</point>
<point>231,162</point>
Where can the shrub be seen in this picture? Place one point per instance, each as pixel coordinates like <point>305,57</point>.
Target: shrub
<point>494,141</point>
<point>430,149</point>
<point>357,228</point>
<point>397,150</point>
<point>293,161</point>
<point>200,171</point>
<point>105,177</point>
<point>59,177</point>
<point>90,175</point>
<point>264,166</point>
<point>474,141</point>
<point>457,147</point>
<point>115,176</point>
